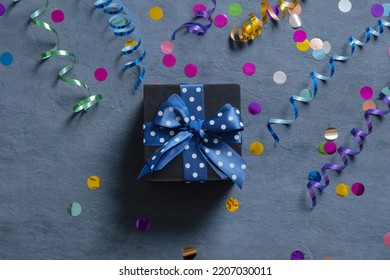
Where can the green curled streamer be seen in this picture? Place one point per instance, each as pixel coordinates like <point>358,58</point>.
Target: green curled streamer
<point>84,104</point>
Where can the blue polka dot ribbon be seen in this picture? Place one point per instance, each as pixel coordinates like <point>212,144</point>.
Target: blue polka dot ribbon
<point>180,127</point>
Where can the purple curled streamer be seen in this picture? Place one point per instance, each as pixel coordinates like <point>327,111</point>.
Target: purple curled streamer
<point>344,152</point>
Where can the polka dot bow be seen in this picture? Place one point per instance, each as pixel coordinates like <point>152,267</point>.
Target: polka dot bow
<point>179,127</point>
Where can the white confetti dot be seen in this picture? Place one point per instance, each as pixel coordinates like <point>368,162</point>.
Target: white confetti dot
<point>234,177</point>
<point>211,122</point>
<point>219,114</point>
<point>215,141</point>
<point>162,140</point>
<point>194,174</point>
<point>152,133</point>
<point>187,165</point>
<point>280,77</point>
<point>184,90</point>
<point>231,165</point>
<point>198,89</point>
<point>243,166</point>
<point>220,163</point>
<point>295,21</point>
<point>199,108</point>
<point>223,127</point>
<point>194,156</point>
<point>160,113</point>
<point>168,122</point>
<point>230,118</point>
<point>345,6</point>
<point>229,154</point>
<point>327,47</point>
<point>201,165</point>
<point>192,99</point>
<point>177,139</point>
<point>218,152</point>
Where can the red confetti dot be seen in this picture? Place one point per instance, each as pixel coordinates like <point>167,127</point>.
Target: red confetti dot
<point>101,74</point>
<point>57,16</point>
<point>169,60</point>
<point>191,70</point>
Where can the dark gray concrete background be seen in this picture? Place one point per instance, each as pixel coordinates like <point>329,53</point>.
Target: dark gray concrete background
<point>47,154</point>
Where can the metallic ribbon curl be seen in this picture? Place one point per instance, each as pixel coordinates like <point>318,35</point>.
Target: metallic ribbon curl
<point>344,152</point>
<point>84,104</point>
<point>196,27</point>
<point>123,25</point>
<point>251,30</point>
<point>353,42</point>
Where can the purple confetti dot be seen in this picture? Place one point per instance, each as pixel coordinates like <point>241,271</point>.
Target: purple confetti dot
<point>276,11</point>
<point>142,224</point>
<point>297,255</point>
<point>249,69</point>
<point>100,74</point>
<point>57,16</point>
<point>220,20</point>
<point>300,36</point>
<point>377,10</point>
<point>366,92</point>
<point>254,108</point>
<point>2,9</point>
<point>330,147</point>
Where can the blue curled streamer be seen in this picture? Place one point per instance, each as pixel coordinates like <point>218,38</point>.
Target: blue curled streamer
<point>344,152</point>
<point>353,42</point>
<point>200,141</point>
<point>123,25</point>
<point>196,27</point>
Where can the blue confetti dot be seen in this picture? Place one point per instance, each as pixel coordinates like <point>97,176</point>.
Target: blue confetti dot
<point>314,176</point>
<point>6,58</point>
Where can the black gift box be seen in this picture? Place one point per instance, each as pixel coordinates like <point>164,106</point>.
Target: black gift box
<point>215,96</point>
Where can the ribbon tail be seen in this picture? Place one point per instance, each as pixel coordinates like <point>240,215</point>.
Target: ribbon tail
<point>144,171</point>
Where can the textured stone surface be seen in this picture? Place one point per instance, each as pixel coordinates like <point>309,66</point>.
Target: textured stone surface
<point>47,154</point>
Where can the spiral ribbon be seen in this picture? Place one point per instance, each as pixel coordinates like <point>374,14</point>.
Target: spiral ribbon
<point>344,152</point>
<point>123,25</point>
<point>84,104</point>
<point>196,27</point>
<point>353,42</point>
<point>251,30</point>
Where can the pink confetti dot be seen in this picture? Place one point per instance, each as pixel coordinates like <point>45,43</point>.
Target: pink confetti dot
<point>300,36</point>
<point>169,60</point>
<point>386,239</point>
<point>57,16</point>
<point>330,148</point>
<point>220,20</point>
<point>254,108</point>
<point>167,47</point>
<point>358,189</point>
<point>377,10</point>
<point>249,69</point>
<point>199,7</point>
<point>388,51</point>
<point>101,74</point>
<point>190,70</point>
<point>366,92</point>
<point>2,9</point>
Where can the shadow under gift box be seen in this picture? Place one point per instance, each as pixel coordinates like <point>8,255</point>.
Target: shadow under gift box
<point>215,96</point>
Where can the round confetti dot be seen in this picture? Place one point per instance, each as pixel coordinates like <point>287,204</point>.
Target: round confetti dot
<point>235,9</point>
<point>297,10</point>
<point>319,55</point>
<point>377,10</point>
<point>386,239</point>
<point>280,77</point>
<point>169,60</point>
<point>189,253</point>
<point>295,21</point>
<point>142,224</point>
<point>232,204</point>
<point>167,47</point>
<point>327,47</point>
<point>57,16</point>
<point>358,189</point>
<point>330,148</point>
<point>6,59</point>
<point>300,36</point>
<point>190,70</point>
<point>93,182</point>
<point>366,92</point>
<point>369,104</point>
<point>386,90</point>
<point>303,46</point>
<point>2,9</point>
<point>314,176</point>
<point>256,148</point>
<point>199,7</point>
<point>101,74</point>
<point>249,69</point>
<point>306,93</point>
<point>275,9</point>
<point>220,20</point>
<point>386,7</point>
<point>345,6</point>
<point>321,148</point>
<point>254,108</point>
<point>316,44</point>
<point>331,133</point>
<point>388,51</point>
<point>342,190</point>
<point>74,209</point>
<point>297,256</point>
<point>156,13</point>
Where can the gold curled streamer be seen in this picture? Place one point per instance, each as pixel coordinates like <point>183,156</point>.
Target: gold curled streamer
<point>84,104</point>
<point>251,30</point>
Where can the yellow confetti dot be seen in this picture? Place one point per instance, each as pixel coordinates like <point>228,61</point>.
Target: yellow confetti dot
<point>257,148</point>
<point>232,204</point>
<point>131,43</point>
<point>93,182</point>
<point>156,13</point>
<point>342,190</point>
<point>303,46</point>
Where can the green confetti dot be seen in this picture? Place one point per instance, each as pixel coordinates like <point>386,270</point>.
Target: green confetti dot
<point>386,90</point>
<point>74,209</point>
<point>321,148</point>
<point>235,9</point>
